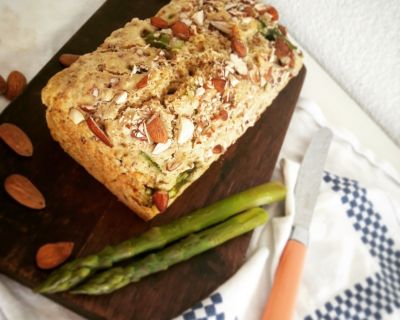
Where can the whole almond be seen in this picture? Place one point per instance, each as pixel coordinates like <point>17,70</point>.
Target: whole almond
<point>66,59</point>
<point>239,47</point>
<point>3,86</point>
<point>181,30</point>
<point>24,192</point>
<point>16,139</point>
<point>159,22</point>
<point>160,200</point>
<point>51,255</point>
<point>156,129</point>
<point>16,83</point>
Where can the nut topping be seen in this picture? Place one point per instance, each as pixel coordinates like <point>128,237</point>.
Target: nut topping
<point>160,200</point>
<point>76,116</point>
<point>161,147</point>
<point>239,47</point>
<point>181,30</point>
<point>186,130</point>
<point>142,82</point>
<point>217,149</point>
<point>159,22</point>
<point>219,84</point>
<point>98,132</point>
<point>156,129</point>
<point>121,98</point>
<point>198,18</point>
<point>222,26</point>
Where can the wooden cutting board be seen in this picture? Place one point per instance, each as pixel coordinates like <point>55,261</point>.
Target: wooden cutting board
<point>81,210</point>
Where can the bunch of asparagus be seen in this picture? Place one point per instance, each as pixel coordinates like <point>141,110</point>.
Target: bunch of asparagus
<point>222,217</point>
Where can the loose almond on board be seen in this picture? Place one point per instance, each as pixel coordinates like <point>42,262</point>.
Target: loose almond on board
<point>24,192</point>
<point>3,86</point>
<point>66,59</point>
<point>16,83</point>
<point>16,139</point>
<point>51,255</point>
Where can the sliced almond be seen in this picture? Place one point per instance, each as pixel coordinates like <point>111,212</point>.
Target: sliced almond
<point>160,200</point>
<point>238,47</point>
<point>181,30</point>
<point>198,18</point>
<point>24,192</point>
<point>159,22</point>
<point>222,26</point>
<point>76,116</point>
<point>52,255</point>
<point>219,84</point>
<point>186,129</point>
<point>156,129</point>
<point>239,64</point>
<point>161,147</point>
<point>98,132</point>
<point>142,82</point>
<point>95,92</point>
<point>16,139</point>
<point>284,53</point>
<point>121,97</point>
<point>218,149</point>
<point>273,13</point>
<point>88,108</point>
<point>67,59</point>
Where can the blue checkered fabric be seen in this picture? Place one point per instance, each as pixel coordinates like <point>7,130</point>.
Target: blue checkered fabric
<point>378,294</point>
<point>208,309</point>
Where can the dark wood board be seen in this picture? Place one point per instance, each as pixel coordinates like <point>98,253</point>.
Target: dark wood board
<point>81,210</point>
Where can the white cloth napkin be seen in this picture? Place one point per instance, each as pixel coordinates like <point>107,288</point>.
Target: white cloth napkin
<point>352,268</point>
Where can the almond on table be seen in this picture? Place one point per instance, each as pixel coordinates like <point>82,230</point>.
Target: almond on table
<point>52,255</point>
<point>159,22</point>
<point>24,192</point>
<point>66,59</point>
<point>16,83</point>
<point>16,139</point>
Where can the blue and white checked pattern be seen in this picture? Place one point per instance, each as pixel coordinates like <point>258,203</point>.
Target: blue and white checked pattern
<point>380,293</point>
<point>208,309</point>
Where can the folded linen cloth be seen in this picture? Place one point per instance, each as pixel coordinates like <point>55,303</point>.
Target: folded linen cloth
<point>352,268</point>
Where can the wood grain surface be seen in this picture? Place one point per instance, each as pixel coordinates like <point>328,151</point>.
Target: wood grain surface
<point>81,210</point>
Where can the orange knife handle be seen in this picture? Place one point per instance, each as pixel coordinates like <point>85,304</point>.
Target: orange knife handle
<point>282,299</point>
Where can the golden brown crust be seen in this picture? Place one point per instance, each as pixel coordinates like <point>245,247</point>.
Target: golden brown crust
<point>142,117</point>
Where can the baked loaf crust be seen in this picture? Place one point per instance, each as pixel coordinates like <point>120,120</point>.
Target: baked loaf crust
<point>161,99</point>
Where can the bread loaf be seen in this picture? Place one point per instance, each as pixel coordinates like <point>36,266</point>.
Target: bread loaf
<point>161,99</point>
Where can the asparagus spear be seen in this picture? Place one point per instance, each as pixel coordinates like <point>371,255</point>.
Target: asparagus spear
<point>78,270</point>
<point>118,277</point>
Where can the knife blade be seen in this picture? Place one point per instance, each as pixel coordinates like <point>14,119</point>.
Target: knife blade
<point>308,183</point>
<point>282,299</point>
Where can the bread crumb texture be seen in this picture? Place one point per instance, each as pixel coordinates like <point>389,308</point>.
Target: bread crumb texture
<point>163,98</point>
